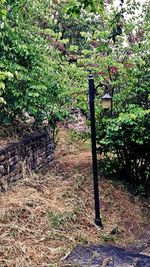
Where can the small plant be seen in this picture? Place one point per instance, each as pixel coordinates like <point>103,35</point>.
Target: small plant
<point>56,219</point>
<point>82,239</point>
<point>79,136</point>
<point>108,238</point>
<point>140,191</point>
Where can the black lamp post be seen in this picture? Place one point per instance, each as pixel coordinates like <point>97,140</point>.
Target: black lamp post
<point>106,103</point>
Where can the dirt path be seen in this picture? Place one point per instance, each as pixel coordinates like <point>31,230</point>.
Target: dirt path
<point>44,216</point>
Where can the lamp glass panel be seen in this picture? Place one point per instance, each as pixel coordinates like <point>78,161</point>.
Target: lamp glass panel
<point>106,103</point>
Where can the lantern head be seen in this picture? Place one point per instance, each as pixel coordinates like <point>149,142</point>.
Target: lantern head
<point>106,101</point>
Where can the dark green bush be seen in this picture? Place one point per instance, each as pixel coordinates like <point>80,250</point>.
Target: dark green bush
<point>127,138</point>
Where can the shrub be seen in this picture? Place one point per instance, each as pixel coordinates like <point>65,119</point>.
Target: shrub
<point>128,138</point>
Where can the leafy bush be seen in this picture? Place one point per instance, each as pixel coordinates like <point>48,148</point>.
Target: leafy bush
<point>128,138</point>
<point>30,77</point>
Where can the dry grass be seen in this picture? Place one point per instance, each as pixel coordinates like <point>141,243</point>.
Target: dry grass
<point>7,135</point>
<point>44,216</point>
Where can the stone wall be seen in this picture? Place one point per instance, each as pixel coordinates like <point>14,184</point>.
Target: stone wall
<point>78,121</point>
<point>31,153</point>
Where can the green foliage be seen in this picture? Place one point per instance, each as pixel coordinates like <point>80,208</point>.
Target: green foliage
<point>3,10</point>
<point>3,76</point>
<point>121,60</point>
<point>74,7</point>
<point>58,220</point>
<point>78,136</point>
<point>128,138</point>
<point>30,78</point>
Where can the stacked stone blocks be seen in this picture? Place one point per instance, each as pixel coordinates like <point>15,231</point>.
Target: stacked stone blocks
<point>31,153</point>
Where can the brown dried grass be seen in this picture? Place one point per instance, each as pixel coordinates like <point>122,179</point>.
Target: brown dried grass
<point>45,215</point>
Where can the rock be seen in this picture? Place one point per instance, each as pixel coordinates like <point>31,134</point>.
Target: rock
<point>3,184</point>
<point>78,121</point>
<point>143,244</point>
<point>106,256</point>
<point>16,177</point>
<point>2,157</point>
<point>13,160</point>
<point>2,170</point>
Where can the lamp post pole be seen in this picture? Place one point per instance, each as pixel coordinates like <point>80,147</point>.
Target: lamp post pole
<point>98,221</point>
